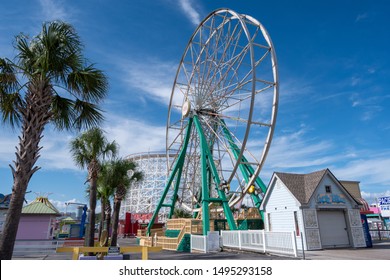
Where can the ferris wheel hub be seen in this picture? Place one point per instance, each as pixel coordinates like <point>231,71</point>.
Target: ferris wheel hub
<point>186,109</point>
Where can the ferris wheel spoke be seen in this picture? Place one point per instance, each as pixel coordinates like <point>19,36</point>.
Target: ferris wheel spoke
<point>214,63</point>
<point>222,79</point>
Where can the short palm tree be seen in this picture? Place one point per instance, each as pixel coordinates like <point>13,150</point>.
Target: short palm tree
<point>47,82</point>
<point>89,150</point>
<point>105,191</point>
<point>125,173</point>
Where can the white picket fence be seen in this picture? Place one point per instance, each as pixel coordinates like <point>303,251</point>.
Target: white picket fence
<point>205,243</point>
<point>261,241</point>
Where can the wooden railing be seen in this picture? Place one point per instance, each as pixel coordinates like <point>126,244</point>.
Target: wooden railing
<point>186,226</point>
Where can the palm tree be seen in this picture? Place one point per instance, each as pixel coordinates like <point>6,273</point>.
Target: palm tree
<point>105,190</point>
<point>124,172</point>
<point>47,82</point>
<point>89,150</point>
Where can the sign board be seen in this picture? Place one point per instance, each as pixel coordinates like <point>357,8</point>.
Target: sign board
<point>331,199</point>
<point>384,205</point>
<point>113,250</point>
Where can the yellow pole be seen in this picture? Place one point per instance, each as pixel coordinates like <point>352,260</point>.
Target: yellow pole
<point>144,253</point>
<point>76,252</point>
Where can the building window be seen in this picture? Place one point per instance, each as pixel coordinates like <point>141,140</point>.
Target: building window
<point>328,189</point>
<point>296,223</point>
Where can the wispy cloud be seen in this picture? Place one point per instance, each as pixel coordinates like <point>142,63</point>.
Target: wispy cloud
<point>361,17</point>
<point>135,136</point>
<point>370,106</point>
<point>297,152</point>
<point>372,197</point>
<point>152,76</point>
<point>188,8</point>
<point>132,135</point>
<point>370,168</point>
<point>54,10</point>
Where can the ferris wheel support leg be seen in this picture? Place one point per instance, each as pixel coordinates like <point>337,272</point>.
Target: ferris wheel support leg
<point>178,168</point>
<point>175,191</point>
<point>246,170</point>
<point>208,163</point>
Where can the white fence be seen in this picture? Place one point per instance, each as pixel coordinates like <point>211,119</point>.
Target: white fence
<point>42,246</point>
<point>205,243</point>
<point>261,241</point>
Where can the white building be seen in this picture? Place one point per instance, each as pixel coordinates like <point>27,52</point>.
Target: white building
<point>317,207</point>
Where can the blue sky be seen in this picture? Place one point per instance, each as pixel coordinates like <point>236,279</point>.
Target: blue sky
<point>333,71</point>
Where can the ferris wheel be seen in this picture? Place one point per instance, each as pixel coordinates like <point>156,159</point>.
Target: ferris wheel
<point>222,115</point>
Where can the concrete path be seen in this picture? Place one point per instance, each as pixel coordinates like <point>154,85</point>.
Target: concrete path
<point>380,251</point>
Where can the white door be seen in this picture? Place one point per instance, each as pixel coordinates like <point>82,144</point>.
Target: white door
<point>333,229</point>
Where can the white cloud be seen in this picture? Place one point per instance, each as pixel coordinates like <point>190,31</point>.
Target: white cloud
<point>298,153</point>
<point>135,136</point>
<point>371,197</point>
<point>7,148</point>
<point>54,10</point>
<point>151,76</point>
<point>361,17</point>
<point>371,170</point>
<point>188,8</point>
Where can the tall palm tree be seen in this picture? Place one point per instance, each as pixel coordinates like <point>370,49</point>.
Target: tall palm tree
<point>125,173</point>
<point>89,150</point>
<point>48,81</point>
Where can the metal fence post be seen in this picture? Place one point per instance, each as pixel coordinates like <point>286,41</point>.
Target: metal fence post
<point>303,246</point>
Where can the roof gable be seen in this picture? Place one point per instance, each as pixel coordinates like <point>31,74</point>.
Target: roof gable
<point>272,188</point>
<point>40,206</point>
<point>302,186</point>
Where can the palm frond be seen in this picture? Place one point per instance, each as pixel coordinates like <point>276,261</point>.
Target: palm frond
<point>88,83</point>
<point>10,104</point>
<point>79,153</point>
<point>110,150</point>
<point>91,145</point>
<point>88,114</point>
<point>63,112</point>
<point>10,99</point>
<point>8,79</point>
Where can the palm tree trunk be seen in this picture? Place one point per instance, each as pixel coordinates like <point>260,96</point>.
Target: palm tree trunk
<point>103,216</point>
<point>115,222</point>
<point>108,220</point>
<point>35,116</point>
<point>90,238</point>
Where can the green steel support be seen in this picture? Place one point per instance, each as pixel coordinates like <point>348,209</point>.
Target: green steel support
<point>176,189</point>
<point>246,169</point>
<point>207,161</point>
<point>178,167</point>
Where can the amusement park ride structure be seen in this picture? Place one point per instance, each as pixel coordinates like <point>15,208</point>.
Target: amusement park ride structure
<point>83,216</point>
<point>221,118</point>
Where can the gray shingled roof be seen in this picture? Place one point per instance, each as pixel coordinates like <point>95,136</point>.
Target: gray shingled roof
<point>302,186</point>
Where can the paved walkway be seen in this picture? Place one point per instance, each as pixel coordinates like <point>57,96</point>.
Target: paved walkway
<point>380,251</point>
